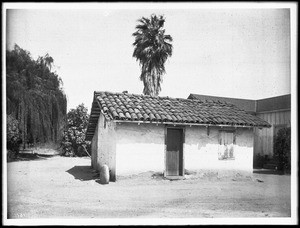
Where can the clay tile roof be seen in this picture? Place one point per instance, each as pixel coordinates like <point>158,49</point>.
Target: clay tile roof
<point>132,107</point>
<point>245,104</point>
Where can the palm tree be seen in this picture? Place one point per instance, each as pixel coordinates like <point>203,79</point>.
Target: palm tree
<point>152,48</point>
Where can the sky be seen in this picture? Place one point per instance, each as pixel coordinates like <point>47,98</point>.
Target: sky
<point>239,52</point>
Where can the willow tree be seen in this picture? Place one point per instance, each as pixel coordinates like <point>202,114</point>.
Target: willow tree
<point>152,48</point>
<point>34,96</point>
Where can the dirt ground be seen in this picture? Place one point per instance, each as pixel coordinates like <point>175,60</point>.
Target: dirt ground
<point>47,186</point>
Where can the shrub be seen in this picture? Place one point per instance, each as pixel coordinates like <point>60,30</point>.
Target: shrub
<point>74,136</point>
<point>282,151</point>
<point>13,136</point>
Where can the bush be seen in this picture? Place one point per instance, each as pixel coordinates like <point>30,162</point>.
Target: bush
<point>73,142</point>
<point>13,136</point>
<point>259,161</point>
<point>282,152</point>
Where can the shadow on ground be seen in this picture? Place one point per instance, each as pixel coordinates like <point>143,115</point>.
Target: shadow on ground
<point>83,173</point>
<point>29,157</point>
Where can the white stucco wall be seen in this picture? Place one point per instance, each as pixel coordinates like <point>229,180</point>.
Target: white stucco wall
<point>201,150</point>
<point>129,148</point>
<point>139,148</point>
<point>104,145</point>
<point>94,149</point>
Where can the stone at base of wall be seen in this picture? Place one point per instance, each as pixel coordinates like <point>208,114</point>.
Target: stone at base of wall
<point>218,173</point>
<point>174,177</point>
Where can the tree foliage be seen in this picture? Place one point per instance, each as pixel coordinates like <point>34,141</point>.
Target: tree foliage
<point>282,152</point>
<point>34,96</point>
<point>74,136</point>
<point>152,48</point>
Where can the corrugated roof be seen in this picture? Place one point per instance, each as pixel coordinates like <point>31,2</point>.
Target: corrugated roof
<point>245,104</point>
<point>133,107</point>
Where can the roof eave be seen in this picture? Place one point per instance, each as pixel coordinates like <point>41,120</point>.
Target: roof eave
<point>189,124</point>
<point>93,119</point>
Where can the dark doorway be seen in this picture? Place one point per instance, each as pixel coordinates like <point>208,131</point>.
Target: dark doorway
<point>174,152</point>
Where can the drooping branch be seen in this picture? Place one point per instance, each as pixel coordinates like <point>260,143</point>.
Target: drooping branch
<point>34,96</point>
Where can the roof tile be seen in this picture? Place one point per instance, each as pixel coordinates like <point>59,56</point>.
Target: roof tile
<point>131,107</point>
<point>127,115</point>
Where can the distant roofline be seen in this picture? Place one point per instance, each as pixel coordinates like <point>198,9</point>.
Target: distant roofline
<point>213,96</point>
<point>193,94</point>
<point>252,106</point>
<point>289,94</point>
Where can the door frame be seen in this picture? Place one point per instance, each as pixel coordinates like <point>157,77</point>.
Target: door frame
<point>180,157</point>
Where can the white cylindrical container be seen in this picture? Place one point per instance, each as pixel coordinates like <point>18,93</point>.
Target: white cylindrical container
<point>104,175</point>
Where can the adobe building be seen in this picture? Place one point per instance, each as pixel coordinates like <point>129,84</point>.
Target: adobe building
<point>138,133</point>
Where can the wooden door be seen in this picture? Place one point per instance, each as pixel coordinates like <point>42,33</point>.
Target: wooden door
<point>174,152</point>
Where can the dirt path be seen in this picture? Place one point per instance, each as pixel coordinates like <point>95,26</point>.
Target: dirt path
<point>60,187</point>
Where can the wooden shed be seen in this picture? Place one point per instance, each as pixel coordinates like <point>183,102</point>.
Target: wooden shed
<point>277,112</point>
<point>135,133</point>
